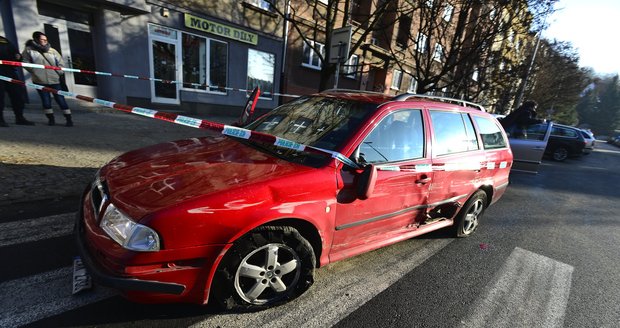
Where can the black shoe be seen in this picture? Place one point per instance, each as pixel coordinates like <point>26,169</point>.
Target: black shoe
<point>23,121</point>
<point>69,120</point>
<point>3,124</point>
<point>50,119</point>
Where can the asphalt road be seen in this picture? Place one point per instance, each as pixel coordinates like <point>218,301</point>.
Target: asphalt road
<point>546,255</point>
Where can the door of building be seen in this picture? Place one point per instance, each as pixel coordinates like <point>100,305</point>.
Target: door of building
<point>75,43</point>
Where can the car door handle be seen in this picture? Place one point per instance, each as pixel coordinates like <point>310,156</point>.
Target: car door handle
<point>423,180</point>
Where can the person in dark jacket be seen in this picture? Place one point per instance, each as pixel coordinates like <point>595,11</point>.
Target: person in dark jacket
<point>523,116</point>
<point>15,91</point>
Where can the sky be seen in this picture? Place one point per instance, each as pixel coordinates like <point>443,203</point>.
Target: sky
<point>592,26</point>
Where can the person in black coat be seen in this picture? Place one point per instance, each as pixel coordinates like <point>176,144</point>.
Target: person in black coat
<point>15,91</point>
<point>523,116</point>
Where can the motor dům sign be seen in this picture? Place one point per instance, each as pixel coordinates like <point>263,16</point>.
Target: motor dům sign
<point>226,31</point>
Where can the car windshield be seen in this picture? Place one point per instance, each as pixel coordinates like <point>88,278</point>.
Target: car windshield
<point>319,121</point>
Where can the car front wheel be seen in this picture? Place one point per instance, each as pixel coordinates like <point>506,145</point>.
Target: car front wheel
<point>469,217</point>
<point>268,266</point>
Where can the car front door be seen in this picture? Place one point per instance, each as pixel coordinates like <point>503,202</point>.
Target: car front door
<point>396,147</point>
<point>528,146</point>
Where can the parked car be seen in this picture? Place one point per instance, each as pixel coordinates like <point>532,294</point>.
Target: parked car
<point>565,141</point>
<point>589,141</point>
<point>243,223</point>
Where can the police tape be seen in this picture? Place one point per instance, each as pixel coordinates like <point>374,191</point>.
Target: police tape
<point>224,129</point>
<point>75,70</point>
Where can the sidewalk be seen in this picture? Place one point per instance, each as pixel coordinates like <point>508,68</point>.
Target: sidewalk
<point>50,162</point>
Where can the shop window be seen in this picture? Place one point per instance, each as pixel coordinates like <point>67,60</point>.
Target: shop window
<point>310,58</point>
<point>218,65</point>
<point>261,68</point>
<point>205,63</point>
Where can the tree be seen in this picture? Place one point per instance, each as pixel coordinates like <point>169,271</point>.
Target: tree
<point>599,106</point>
<point>557,81</point>
<point>326,17</point>
<point>458,44</point>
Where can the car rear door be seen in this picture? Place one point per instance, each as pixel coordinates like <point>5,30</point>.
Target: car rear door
<point>528,146</point>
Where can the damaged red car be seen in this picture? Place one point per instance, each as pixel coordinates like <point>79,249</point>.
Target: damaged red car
<point>244,223</point>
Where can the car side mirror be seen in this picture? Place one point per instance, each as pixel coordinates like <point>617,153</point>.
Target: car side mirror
<point>366,182</point>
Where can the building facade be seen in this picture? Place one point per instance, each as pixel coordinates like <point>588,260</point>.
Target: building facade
<point>206,47</point>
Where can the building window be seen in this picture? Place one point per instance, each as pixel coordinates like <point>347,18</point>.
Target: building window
<point>310,58</point>
<point>404,31</point>
<point>397,78</point>
<point>205,63</point>
<point>262,4</point>
<point>421,43</point>
<point>350,67</point>
<point>413,85</point>
<point>447,12</point>
<point>261,68</point>
<point>438,55</point>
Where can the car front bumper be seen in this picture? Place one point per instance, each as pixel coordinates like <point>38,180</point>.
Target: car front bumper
<point>180,275</point>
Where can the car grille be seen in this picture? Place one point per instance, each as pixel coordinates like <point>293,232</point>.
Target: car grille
<point>99,195</point>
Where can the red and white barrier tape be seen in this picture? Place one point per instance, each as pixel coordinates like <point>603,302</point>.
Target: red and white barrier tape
<point>194,122</point>
<point>74,70</point>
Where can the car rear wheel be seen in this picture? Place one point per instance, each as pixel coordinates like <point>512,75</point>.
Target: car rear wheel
<point>469,217</point>
<point>268,266</point>
<point>560,154</point>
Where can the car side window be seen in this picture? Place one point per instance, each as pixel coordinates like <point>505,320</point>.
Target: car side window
<point>454,132</point>
<point>562,132</point>
<point>490,133</point>
<point>399,136</point>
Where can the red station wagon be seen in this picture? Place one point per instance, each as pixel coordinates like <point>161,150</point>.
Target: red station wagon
<point>244,223</point>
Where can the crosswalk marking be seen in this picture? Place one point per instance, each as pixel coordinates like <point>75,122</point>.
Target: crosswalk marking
<point>33,298</point>
<point>24,231</point>
<point>530,290</point>
<point>339,288</point>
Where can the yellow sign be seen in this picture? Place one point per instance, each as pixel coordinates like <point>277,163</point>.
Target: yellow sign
<point>205,25</point>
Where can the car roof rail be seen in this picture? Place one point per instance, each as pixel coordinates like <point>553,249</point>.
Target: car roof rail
<point>461,102</point>
<point>353,91</point>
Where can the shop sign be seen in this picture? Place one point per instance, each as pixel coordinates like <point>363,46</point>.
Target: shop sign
<point>226,31</point>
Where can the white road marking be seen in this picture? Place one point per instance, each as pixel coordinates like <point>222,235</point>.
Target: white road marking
<point>530,290</point>
<point>33,298</point>
<point>24,231</point>
<point>339,288</point>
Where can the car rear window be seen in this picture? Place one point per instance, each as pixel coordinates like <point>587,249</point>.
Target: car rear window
<point>490,133</point>
<point>454,132</point>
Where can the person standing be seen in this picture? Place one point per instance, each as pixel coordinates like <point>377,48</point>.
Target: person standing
<point>15,91</point>
<point>39,51</point>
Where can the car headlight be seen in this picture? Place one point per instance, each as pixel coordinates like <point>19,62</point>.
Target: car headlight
<point>127,233</point>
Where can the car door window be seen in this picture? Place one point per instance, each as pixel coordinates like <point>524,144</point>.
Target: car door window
<point>490,133</point>
<point>399,136</point>
<point>454,133</point>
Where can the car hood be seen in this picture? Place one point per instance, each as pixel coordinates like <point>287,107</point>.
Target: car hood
<point>152,178</point>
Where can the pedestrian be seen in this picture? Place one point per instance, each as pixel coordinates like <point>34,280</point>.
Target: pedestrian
<point>517,121</point>
<point>15,91</point>
<point>39,51</point>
